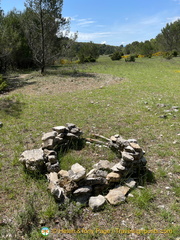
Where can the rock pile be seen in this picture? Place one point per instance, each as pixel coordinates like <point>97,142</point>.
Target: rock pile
<point>45,158</point>
<point>105,182</point>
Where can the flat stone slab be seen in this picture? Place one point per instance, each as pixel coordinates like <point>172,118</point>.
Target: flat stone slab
<point>48,135</point>
<point>117,195</point>
<point>96,203</point>
<point>32,159</point>
<point>60,129</point>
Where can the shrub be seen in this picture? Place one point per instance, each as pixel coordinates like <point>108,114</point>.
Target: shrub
<point>116,56</point>
<point>131,58</point>
<point>174,53</point>
<point>3,83</point>
<point>168,55</point>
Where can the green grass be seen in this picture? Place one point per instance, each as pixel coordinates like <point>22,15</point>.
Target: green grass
<point>127,107</point>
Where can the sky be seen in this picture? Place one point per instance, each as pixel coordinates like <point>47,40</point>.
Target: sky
<point>114,22</point>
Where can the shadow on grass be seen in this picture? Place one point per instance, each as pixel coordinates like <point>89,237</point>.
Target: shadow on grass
<point>17,82</point>
<point>146,177</point>
<point>11,106</point>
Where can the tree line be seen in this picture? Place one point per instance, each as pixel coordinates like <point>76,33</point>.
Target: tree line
<point>33,37</point>
<point>37,37</point>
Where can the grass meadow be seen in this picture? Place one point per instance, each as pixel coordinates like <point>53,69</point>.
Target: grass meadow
<point>136,100</point>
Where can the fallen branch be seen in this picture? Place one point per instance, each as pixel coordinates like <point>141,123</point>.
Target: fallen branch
<point>96,141</point>
<point>101,136</point>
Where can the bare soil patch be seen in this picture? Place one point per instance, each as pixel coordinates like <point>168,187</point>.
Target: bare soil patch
<point>48,84</point>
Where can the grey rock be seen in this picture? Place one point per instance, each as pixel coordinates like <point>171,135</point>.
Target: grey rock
<point>33,159</point>
<point>77,172</point>
<point>127,157</point>
<point>82,190</point>
<point>70,125</point>
<point>104,165</point>
<point>118,168</point>
<point>130,183</point>
<point>94,181</point>
<point>48,135</point>
<point>63,173</point>
<point>48,144</point>
<point>96,203</point>
<point>129,149</point>
<point>94,173</point>
<point>60,129</point>
<point>71,136</point>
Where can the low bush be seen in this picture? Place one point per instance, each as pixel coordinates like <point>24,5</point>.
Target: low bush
<point>168,55</point>
<point>116,56</point>
<point>131,58</point>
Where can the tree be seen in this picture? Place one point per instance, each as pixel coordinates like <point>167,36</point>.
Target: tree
<point>88,52</point>
<point>43,23</point>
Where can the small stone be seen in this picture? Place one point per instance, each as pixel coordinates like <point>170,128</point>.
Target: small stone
<point>71,136</point>
<point>136,147</point>
<point>52,177</point>
<point>118,167</point>
<point>163,116</point>
<point>175,107</point>
<point>113,138</point>
<point>77,172</point>
<point>82,190</point>
<point>60,129</point>
<point>161,105</point>
<point>94,173</point>
<point>96,203</point>
<point>48,135</point>
<point>63,173</point>
<point>48,144</point>
<point>52,159</point>
<point>70,125</point>
<point>127,157</point>
<point>130,183</point>
<point>91,181</point>
<point>113,177</point>
<point>130,195</point>
<point>1,124</point>
<point>132,140</point>
<point>129,149</point>
<point>116,135</point>
<point>140,187</point>
<point>103,164</point>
